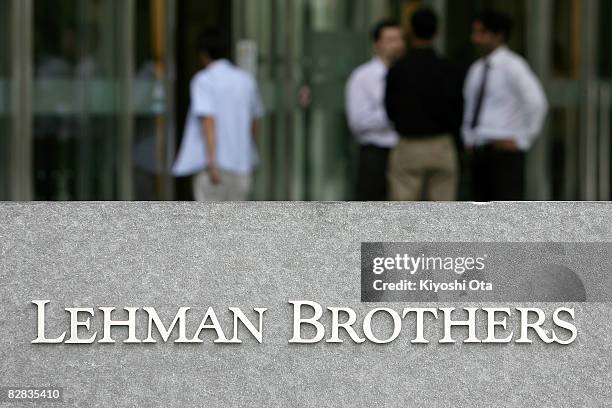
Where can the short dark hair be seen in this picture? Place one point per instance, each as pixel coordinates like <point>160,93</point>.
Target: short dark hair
<point>496,22</point>
<point>213,43</point>
<point>424,24</point>
<point>381,26</point>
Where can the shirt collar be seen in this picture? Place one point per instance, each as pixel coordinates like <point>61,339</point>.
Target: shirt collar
<point>496,54</point>
<point>423,51</point>
<point>218,64</point>
<point>378,63</point>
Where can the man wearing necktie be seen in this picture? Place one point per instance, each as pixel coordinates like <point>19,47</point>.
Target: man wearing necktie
<point>505,110</point>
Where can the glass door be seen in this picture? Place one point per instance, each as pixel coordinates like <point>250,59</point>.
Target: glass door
<point>153,108</point>
<point>5,122</point>
<point>272,30</point>
<point>305,50</point>
<point>605,73</point>
<point>336,41</point>
<point>102,122</point>
<point>579,125</point>
<point>88,112</point>
<point>78,99</point>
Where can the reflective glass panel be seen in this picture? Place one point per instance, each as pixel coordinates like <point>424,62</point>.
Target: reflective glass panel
<point>4,99</point>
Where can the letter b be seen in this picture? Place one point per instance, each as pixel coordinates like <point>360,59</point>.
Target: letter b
<point>298,321</point>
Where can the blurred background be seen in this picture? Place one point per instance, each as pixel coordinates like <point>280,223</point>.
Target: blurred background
<point>94,93</point>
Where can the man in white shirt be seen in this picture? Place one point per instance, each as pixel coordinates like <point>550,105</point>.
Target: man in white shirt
<point>218,144</point>
<point>367,118</point>
<point>505,110</point>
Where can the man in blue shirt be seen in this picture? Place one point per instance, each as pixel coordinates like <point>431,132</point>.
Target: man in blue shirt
<point>218,143</point>
<point>365,92</point>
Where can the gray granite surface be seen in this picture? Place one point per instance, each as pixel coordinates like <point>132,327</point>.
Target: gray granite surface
<point>167,255</point>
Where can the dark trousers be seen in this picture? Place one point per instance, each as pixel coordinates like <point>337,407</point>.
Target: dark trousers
<point>498,175</point>
<point>373,166</point>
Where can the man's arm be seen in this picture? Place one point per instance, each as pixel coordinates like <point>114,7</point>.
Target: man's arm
<point>392,87</point>
<point>533,98</point>
<point>364,114</point>
<point>203,106</point>
<point>210,140</point>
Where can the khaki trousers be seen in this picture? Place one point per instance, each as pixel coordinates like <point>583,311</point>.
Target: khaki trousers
<point>424,169</point>
<point>233,187</point>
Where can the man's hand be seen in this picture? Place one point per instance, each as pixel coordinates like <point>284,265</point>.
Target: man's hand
<point>507,145</point>
<point>214,175</point>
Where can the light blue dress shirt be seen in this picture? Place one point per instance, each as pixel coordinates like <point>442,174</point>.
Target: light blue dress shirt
<point>365,105</point>
<point>229,95</point>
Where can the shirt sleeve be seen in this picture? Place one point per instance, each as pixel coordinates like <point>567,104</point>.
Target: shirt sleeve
<point>390,95</point>
<point>202,98</point>
<point>364,113</point>
<point>533,99</point>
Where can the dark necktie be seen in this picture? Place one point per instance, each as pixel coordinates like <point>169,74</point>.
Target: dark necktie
<point>481,94</point>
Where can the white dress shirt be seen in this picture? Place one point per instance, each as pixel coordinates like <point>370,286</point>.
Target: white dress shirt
<point>229,95</point>
<point>514,105</point>
<point>365,105</point>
